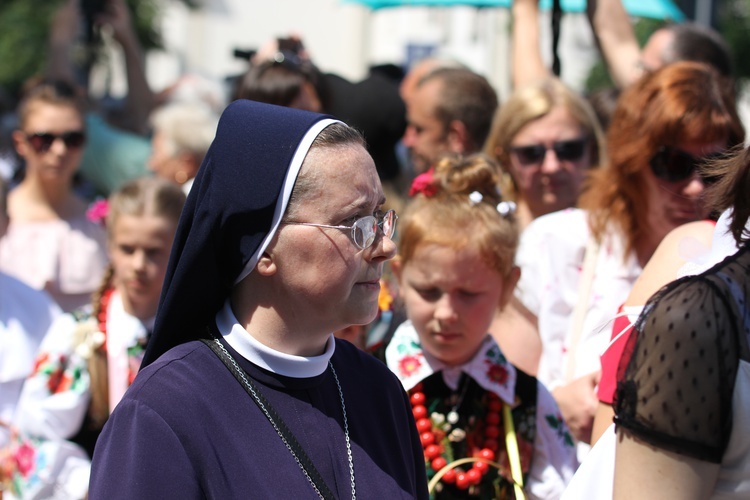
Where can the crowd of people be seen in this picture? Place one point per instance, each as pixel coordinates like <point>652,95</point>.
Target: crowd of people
<point>408,286</point>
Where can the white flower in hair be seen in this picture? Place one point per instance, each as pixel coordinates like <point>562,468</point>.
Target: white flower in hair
<point>506,208</point>
<point>475,197</point>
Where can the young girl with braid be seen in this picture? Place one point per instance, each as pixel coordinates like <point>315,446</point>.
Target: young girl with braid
<point>488,429</point>
<point>89,357</point>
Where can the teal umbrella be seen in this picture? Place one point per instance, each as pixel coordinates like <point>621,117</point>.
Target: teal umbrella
<point>656,9</point>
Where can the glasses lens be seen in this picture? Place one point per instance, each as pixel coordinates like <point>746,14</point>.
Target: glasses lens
<point>529,155</point>
<point>364,231</point>
<point>40,142</point>
<point>570,150</point>
<point>389,223</point>
<point>73,140</point>
<point>673,165</point>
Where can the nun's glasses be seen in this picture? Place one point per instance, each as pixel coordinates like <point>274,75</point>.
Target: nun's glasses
<point>364,230</point>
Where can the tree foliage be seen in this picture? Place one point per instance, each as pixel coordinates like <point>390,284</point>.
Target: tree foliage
<point>734,25</point>
<point>24,27</point>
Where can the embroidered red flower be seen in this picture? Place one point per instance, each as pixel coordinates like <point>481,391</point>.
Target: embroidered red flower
<point>423,183</point>
<point>41,360</point>
<point>55,380</point>
<point>497,374</point>
<point>409,364</point>
<point>25,459</point>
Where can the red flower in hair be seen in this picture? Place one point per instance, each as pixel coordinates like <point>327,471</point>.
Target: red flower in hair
<point>423,183</point>
<point>97,212</point>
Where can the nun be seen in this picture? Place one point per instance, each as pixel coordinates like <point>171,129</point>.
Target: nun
<point>244,392</point>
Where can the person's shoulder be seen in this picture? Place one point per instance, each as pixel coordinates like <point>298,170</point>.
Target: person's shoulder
<point>569,222</point>
<point>16,291</point>
<point>702,229</point>
<point>349,353</point>
<point>20,299</point>
<point>679,248</point>
<point>366,364</point>
<point>686,242</point>
<point>671,307</point>
<point>179,372</point>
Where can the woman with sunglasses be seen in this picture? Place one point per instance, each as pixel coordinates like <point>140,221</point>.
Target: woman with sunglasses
<point>243,390</point>
<point>545,137</point>
<point>682,396</point>
<point>578,265</point>
<point>50,244</point>
<point>682,392</point>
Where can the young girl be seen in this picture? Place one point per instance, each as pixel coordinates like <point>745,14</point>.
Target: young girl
<point>488,430</point>
<point>90,356</point>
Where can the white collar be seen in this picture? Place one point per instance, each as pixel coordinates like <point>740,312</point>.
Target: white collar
<point>411,364</point>
<point>263,356</point>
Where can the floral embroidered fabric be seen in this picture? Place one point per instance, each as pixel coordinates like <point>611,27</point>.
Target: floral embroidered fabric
<point>55,430</point>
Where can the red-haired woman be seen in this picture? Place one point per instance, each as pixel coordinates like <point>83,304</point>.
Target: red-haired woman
<point>578,265</point>
<point>682,383</point>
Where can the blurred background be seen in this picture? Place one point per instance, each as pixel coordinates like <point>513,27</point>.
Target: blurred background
<point>209,38</point>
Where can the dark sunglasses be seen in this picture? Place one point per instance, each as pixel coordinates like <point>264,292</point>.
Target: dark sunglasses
<point>42,141</point>
<point>674,165</point>
<point>534,154</point>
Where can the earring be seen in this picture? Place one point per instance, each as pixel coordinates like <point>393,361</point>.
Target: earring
<point>180,177</point>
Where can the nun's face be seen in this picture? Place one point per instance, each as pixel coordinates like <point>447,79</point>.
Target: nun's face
<point>328,281</point>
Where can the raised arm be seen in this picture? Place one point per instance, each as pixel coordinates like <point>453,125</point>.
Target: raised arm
<point>526,52</point>
<point>140,100</point>
<point>614,34</point>
<point>62,35</point>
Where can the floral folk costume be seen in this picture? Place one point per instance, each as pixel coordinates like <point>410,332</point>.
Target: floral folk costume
<point>461,416</point>
<point>84,366</point>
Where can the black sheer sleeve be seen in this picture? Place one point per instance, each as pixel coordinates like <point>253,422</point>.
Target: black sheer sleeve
<point>677,376</point>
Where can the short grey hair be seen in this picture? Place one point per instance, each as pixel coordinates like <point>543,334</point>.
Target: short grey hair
<point>186,126</point>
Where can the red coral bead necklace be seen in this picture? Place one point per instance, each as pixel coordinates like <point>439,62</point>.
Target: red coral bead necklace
<point>433,431</point>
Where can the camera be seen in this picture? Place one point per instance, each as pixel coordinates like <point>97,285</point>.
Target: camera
<point>292,45</point>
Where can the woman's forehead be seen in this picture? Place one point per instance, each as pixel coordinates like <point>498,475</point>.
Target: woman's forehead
<point>342,164</point>
<point>346,170</point>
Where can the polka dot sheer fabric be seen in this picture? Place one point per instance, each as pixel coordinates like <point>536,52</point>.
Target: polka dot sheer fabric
<point>677,375</point>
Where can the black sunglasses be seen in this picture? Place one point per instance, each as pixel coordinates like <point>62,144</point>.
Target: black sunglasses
<point>674,165</point>
<point>42,141</point>
<point>534,154</point>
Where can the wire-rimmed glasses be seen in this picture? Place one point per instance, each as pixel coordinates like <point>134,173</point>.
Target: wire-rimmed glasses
<point>364,230</point>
